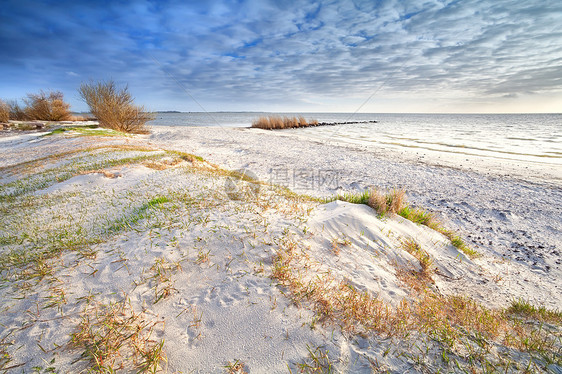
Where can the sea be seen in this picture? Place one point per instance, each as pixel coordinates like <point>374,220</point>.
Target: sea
<point>535,138</point>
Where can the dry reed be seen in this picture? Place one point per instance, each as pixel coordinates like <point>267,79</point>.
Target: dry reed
<point>277,122</point>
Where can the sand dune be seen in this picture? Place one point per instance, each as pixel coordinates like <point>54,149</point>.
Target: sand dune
<point>119,252</point>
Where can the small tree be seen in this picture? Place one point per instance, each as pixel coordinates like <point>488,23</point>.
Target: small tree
<point>4,112</point>
<point>47,106</point>
<point>114,108</point>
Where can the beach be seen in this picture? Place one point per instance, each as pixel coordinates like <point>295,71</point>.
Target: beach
<point>503,211</point>
<point>154,241</point>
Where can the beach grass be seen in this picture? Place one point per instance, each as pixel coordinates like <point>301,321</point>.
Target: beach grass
<point>524,309</point>
<point>113,337</point>
<point>467,333</point>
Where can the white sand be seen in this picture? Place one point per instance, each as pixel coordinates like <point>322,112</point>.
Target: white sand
<point>516,220</point>
<point>218,253</point>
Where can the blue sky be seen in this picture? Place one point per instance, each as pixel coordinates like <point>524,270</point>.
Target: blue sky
<point>298,56</point>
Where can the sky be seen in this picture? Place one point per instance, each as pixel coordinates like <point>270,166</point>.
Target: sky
<point>426,56</point>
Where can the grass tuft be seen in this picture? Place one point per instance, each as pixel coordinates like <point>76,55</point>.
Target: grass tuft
<point>354,198</point>
<point>525,309</point>
<point>318,362</point>
<point>425,260</point>
<point>113,337</point>
<point>391,202</point>
<point>236,367</point>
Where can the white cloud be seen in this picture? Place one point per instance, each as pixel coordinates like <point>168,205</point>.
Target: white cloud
<point>297,52</point>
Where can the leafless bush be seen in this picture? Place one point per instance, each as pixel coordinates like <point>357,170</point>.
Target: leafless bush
<point>47,106</point>
<point>4,112</point>
<point>16,111</point>
<point>114,108</point>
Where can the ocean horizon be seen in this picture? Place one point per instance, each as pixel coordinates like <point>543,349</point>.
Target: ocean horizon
<point>535,138</point>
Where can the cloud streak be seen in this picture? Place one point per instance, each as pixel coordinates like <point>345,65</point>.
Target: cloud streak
<point>300,55</point>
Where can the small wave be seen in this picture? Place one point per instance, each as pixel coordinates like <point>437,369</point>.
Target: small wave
<point>524,139</point>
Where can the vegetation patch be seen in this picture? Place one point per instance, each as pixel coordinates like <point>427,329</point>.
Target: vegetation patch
<point>525,310</point>
<point>278,122</point>
<point>467,335</point>
<point>113,337</point>
<point>89,130</point>
<point>4,112</point>
<point>394,202</point>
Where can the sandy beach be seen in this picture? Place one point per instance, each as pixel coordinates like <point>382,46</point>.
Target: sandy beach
<point>147,253</point>
<point>506,213</point>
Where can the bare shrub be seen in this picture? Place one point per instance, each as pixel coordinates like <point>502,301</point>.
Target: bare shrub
<point>47,106</point>
<point>16,111</point>
<point>114,108</point>
<point>4,112</point>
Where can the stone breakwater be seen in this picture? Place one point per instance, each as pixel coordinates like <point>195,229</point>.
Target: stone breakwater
<point>343,123</point>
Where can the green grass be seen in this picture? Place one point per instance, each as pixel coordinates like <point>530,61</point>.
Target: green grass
<point>186,156</point>
<point>138,214</point>
<point>354,198</point>
<point>49,177</point>
<point>417,215</point>
<point>524,309</point>
<point>88,130</point>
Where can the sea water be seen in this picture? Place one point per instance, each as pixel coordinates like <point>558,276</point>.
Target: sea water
<point>535,138</point>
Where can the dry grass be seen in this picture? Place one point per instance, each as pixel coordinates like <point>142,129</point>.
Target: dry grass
<point>277,122</point>
<point>160,278</point>
<point>114,337</point>
<point>4,112</point>
<point>462,328</point>
<point>333,300</point>
<point>76,118</point>
<point>114,108</point>
<point>391,202</point>
<point>47,106</point>
<point>236,367</point>
<point>448,318</point>
<point>425,260</point>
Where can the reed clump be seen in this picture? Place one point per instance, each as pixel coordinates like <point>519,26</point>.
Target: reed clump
<point>278,122</point>
<point>114,107</point>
